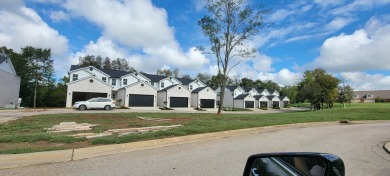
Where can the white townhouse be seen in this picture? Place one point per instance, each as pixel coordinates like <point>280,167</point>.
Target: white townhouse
<point>130,89</point>
<point>9,83</point>
<point>203,97</point>
<point>248,97</point>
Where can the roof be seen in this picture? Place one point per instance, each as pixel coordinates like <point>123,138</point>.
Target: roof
<point>257,97</point>
<point>231,88</point>
<point>241,96</point>
<point>247,89</point>
<point>270,97</point>
<point>112,73</point>
<point>154,78</point>
<point>185,81</point>
<point>2,58</point>
<point>169,87</point>
<point>376,93</point>
<point>198,89</point>
<point>282,97</point>
<point>260,90</point>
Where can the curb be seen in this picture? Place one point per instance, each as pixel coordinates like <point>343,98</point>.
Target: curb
<point>387,147</point>
<point>30,159</point>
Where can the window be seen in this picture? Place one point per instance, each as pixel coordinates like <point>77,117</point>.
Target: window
<point>370,96</point>
<point>113,82</point>
<point>113,96</point>
<point>75,77</point>
<point>124,81</point>
<point>104,79</point>
<point>355,96</point>
<point>190,87</point>
<point>162,84</point>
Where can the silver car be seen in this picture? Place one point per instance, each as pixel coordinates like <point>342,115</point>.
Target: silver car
<point>95,103</point>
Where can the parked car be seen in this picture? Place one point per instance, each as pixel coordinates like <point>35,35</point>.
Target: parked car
<point>95,103</point>
<point>296,164</point>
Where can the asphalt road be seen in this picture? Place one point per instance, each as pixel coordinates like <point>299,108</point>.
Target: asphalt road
<point>359,145</point>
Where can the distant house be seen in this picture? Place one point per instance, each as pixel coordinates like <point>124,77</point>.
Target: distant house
<point>9,83</point>
<point>261,101</point>
<point>244,101</point>
<point>174,96</point>
<point>370,96</point>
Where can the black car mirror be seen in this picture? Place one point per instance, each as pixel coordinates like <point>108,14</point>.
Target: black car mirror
<point>311,164</point>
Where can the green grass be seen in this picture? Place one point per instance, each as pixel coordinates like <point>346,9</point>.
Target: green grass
<point>30,130</point>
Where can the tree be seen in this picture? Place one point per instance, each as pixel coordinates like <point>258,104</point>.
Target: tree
<point>318,87</point>
<point>90,60</point>
<point>40,65</point>
<point>175,72</point>
<point>229,24</point>
<point>291,92</point>
<point>270,85</point>
<point>107,63</point>
<point>121,65</point>
<point>204,77</point>
<point>247,82</point>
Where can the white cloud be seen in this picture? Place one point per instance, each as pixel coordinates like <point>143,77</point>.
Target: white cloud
<point>338,23</point>
<point>58,16</point>
<point>138,25</point>
<point>360,51</point>
<point>283,77</point>
<point>22,26</point>
<point>364,81</point>
<point>280,14</point>
<point>327,3</point>
<point>358,5</point>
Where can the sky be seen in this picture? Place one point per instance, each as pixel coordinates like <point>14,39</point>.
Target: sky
<point>346,38</point>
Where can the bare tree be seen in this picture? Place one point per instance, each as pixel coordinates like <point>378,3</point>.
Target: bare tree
<point>229,24</point>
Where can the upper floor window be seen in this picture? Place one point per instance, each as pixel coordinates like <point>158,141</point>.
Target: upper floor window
<point>113,82</point>
<point>104,79</point>
<point>75,77</point>
<point>191,87</point>
<point>355,96</point>
<point>124,81</point>
<point>370,96</point>
<point>162,84</point>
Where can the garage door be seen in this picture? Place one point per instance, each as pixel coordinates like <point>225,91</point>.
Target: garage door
<point>179,102</point>
<point>249,104</point>
<point>207,103</point>
<point>263,104</point>
<point>136,100</point>
<point>275,104</point>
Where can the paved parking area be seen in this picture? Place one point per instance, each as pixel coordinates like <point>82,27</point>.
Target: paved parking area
<point>7,115</point>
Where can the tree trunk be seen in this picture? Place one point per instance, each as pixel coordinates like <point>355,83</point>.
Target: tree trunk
<point>35,94</point>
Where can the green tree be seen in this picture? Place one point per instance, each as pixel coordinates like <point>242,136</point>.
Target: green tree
<point>90,60</point>
<point>121,65</point>
<point>291,92</point>
<point>229,24</point>
<point>175,72</point>
<point>107,63</point>
<point>41,67</point>
<point>204,77</point>
<point>318,87</point>
<point>247,82</point>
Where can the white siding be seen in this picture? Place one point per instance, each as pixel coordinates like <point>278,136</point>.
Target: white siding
<point>118,83</point>
<point>80,73</point>
<point>9,88</point>
<point>130,80</point>
<point>238,103</point>
<point>166,82</point>
<point>122,95</point>
<point>179,91</point>
<point>140,88</point>
<point>206,93</point>
<point>7,67</point>
<point>86,86</point>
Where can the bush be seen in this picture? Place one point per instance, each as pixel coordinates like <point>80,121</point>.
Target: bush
<point>276,107</point>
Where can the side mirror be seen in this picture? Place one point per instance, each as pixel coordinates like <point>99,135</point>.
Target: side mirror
<point>299,164</point>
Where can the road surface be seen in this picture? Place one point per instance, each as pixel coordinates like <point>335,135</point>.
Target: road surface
<point>359,145</point>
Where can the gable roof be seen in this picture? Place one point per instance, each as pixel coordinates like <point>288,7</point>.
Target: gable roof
<point>169,87</point>
<point>247,89</point>
<point>154,78</point>
<point>2,58</point>
<point>185,81</point>
<point>198,89</point>
<point>283,97</point>
<point>231,88</point>
<point>111,73</point>
<point>257,97</point>
<point>241,96</point>
<point>270,97</point>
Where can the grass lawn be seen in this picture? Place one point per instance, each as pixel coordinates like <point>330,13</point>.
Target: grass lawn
<point>28,135</point>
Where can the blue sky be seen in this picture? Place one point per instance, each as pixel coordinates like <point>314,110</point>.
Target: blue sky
<point>349,38</point>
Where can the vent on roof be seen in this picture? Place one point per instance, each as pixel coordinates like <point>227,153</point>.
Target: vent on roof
<point>179,87</point>
<point>91,80</point>
<point>142,84</point>
<point>90,68</point>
